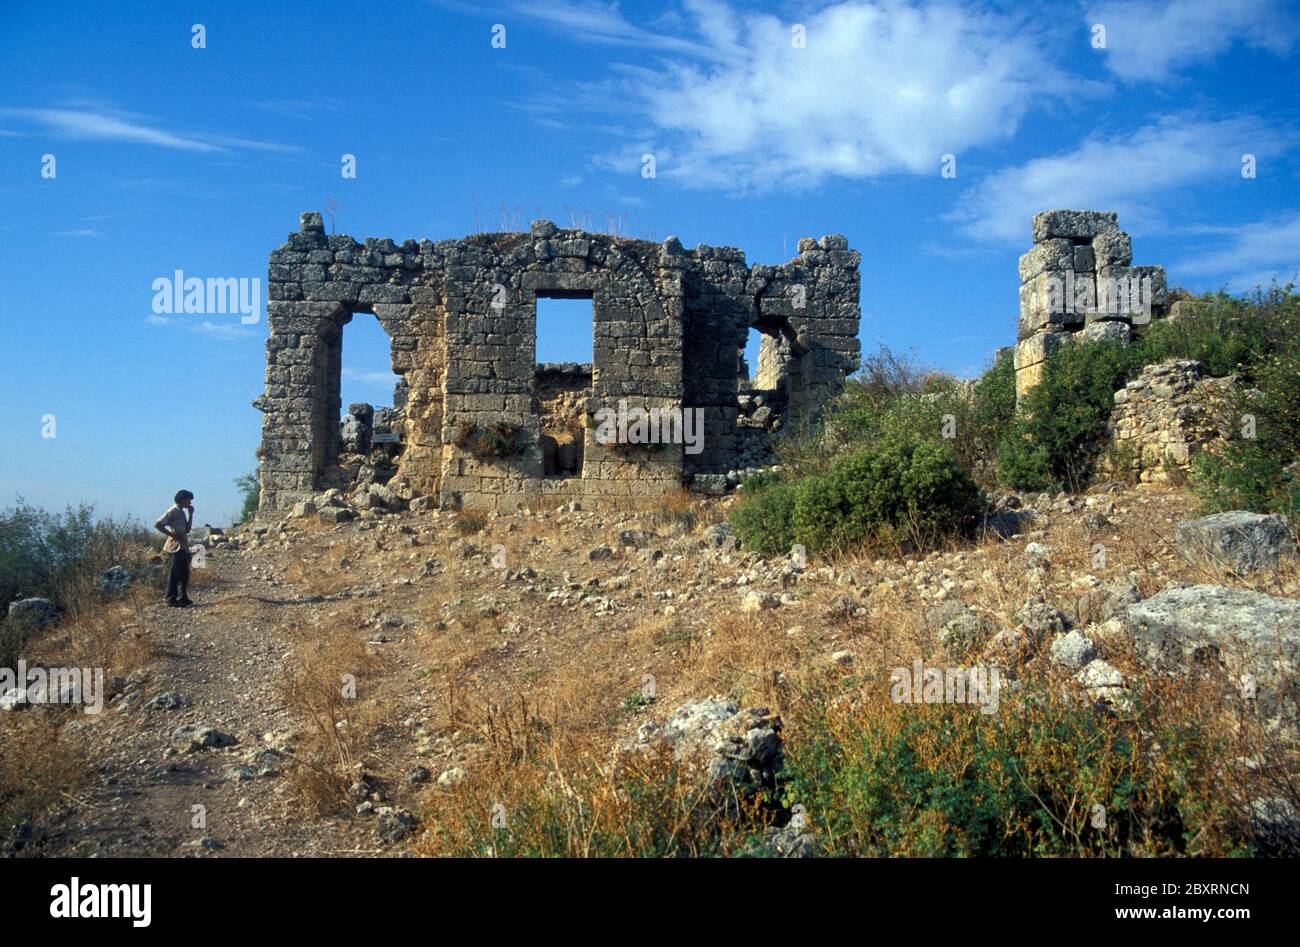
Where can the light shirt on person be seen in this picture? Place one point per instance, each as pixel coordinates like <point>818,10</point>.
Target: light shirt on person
<point>175,520</point>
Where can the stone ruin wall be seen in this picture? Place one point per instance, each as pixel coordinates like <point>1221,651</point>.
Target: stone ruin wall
<point>1075,283</point>
<point>1166,416</point>
<point>1171,411</point>
<point>669,327</point>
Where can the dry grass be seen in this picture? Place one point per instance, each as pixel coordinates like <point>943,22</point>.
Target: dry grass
<point>324,574</point>
<point>41,763</point>
<point>333,685</point>
<point>95,632</point>
<point>542,740</point>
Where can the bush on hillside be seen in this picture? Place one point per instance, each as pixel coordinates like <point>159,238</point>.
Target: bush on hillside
<point>1258,472</point>
<point>885,779</point>
<point>1227,334</point>
<point>899,489</point>
<point>1061,426</point>
<point>1257,338</point>
<point>45,554</point>
<point>994,403</point>
<point>893,396</point>
<point>53,555</point>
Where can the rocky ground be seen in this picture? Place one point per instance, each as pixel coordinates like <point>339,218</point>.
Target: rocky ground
<point>446,623</point>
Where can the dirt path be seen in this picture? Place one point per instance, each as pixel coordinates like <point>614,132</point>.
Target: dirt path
<point>224,658</point>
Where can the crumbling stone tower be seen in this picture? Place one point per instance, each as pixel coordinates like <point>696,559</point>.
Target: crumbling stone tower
<point>1078,282</point>
<point>479,426</point>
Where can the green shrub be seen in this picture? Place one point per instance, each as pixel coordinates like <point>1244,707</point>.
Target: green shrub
<point>1061,426</point>
<point>994,407</point>
<point>52,555</point>
<point>763,514</point>
<point>901,489</point>
<point>885,392</point>
<point>1252,473</point>
<point>43,553</point>
<point>879,778</point>
<point>1228,334</point>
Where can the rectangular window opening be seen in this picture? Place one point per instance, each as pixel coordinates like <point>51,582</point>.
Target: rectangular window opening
<point>562,385</point>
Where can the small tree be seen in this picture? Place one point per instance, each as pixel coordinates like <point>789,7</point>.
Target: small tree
<point>251,490</point>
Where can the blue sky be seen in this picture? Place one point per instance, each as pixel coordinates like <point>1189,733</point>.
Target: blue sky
<point>172,157</point>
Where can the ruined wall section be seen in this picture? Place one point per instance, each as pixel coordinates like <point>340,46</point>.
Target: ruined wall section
<point>1164,417</point>
<point>808,312</point>
<point>669,328</point>
<point>315,285</point>
<point>718,302</point>
<point>491,295</point>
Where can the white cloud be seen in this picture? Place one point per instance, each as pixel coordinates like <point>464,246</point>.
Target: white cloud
<point>1254,254</point>
<point>105,124</point>
<point>881,87</point>
<point>1151,39</point>
<point>220,330</point>
<point>84,232</point>
<point>590,21</point>
<point>1125,173</point>
<point>365,377</point>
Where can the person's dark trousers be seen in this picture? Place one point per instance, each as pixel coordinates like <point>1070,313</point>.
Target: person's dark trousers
<point>178,577</point>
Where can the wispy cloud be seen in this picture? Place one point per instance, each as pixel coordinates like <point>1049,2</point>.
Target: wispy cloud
<point>1152,39</point>
<point>303,109</point>
<point>106,124</point>
<point>1126,173</point>
<point>85,232</point>
<point>226,331</point>
<point>369,377</point>
<point>1251,254</point>
<point>590,21</point>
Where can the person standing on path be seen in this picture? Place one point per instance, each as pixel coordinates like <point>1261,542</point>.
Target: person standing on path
<point>175,524</point>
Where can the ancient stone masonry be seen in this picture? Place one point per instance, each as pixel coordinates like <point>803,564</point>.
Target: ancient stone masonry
<point>480,424</point>
<point>1164,417</point>
<point>1078,282</point>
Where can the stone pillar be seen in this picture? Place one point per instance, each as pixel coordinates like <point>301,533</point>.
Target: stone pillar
<point>1077,282</point>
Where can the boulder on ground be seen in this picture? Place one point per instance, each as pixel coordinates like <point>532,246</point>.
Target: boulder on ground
<point>1040,620</point>
<point>381,497</point>
<point>1242,541</point>
<point>1072,651</point>
<point>114,581</point>
<point>192,737</point>
<point>719,535</point>
<point>1255,637</point>
<point>33,613</point>
<point>393,825</point>
<point>736,752</point>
